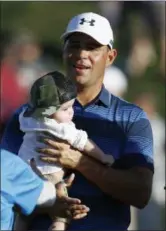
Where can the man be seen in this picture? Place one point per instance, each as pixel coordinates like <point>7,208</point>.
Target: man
<point>116,126</point>
<point>22,187</point>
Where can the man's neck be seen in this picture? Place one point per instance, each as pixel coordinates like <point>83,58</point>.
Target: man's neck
<point>87,94</point>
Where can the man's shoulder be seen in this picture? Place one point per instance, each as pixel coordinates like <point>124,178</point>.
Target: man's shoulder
<point>13,136</point>
<point>124,104</point>
<point>126,109</point>
<point>20,109</point>
<point>15,115</point>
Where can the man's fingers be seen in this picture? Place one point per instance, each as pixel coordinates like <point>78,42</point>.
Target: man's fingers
<point>55,142</point>
<point>78,207</point>
<point>78,212</point>
<point>51,160</point>
<point>47,135</point>
<point>69,180</point>
<point>79,216</point>
<point>70,200</point>
<point>48,151</point>
<point>75,209</point>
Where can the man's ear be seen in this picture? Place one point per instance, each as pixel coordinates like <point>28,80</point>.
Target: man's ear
<point>112,53</point>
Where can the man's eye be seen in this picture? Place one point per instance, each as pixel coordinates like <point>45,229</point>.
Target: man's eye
<point>74,46</point>
<point>86,47</point>
<point>90,47</point>
<point>93,48</point>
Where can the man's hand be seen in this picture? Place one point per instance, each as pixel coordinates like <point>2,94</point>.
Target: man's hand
<point>64,206</point>
<point>60,153</point>
<point>61,189</point>
<point>67,207</point>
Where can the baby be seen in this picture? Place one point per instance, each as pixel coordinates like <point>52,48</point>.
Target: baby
<point>51,110</point>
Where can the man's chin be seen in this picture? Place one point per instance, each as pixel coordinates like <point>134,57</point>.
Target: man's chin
<point>81,80</point>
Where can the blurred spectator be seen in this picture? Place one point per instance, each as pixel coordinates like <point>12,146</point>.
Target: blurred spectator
<point>162,57</point>
<point>141,56</point>
<point>4,40</point>
<point>115,81</point>
<point>152,216</point>
<point>130,20</point>
<point>12,95</point>
<point>32,63</point>
<point>119,12</point>
<point>22,63</point>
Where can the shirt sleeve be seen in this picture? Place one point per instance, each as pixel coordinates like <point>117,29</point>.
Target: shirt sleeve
<point>25,186</point>
<point>13,136</point>
<point>67,131</point>
<point>138,148</point>
<point>76,137</point>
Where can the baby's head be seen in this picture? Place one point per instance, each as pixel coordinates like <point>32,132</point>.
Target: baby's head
<point>52,96</point>
<point>65,113</point>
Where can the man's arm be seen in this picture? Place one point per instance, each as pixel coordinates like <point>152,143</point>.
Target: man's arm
<point>131,178</point>
<point>132,184</point>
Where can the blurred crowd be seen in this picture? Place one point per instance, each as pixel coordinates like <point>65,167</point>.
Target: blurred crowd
<point>141,46</point>
<point>22,63</point>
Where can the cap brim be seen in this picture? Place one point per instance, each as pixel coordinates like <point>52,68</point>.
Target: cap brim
<point>66,34</point>
<point>40,112</point>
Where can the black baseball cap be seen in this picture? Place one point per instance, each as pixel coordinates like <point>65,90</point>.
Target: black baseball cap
<point>48,93</point>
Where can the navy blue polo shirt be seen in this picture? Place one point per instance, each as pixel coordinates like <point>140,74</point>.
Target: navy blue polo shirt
<point>119,128</point>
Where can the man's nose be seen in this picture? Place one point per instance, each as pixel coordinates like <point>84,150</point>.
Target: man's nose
<point>83,52</point>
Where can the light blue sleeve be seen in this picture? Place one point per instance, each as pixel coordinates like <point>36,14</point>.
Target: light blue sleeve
<point>24,184</point>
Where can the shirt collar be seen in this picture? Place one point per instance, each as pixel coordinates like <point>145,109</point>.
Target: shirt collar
<point>104,97</point>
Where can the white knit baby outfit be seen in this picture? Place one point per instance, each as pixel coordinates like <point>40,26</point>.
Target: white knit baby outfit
<point>33,128</point>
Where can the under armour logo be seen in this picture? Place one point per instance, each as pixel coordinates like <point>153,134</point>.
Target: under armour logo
<point>91,23</point>
<point>111,42</point>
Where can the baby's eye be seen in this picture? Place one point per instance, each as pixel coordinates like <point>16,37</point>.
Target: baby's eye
<point>65,109</point>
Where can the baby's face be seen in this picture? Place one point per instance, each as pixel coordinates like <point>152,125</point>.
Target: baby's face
<point>65,113</point>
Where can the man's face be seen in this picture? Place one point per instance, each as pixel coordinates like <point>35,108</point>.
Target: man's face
<point>85,59</point>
